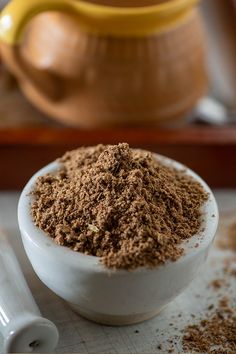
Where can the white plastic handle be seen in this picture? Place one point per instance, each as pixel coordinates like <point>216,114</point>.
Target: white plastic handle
<point>21,324</point>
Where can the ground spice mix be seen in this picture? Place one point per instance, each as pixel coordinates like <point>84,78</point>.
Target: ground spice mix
<point>215,334</point>
<point>120,204</point>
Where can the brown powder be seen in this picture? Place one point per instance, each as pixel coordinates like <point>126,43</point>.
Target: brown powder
<point>233,272</point>
<point>217,283</point>
<point>215,334</point>
<point>118,204</point>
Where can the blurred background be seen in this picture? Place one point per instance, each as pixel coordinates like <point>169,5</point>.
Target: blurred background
<point>171,90</point>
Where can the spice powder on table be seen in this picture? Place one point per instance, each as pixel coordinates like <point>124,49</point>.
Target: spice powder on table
<point>215,334</point>
<point>122,205</point>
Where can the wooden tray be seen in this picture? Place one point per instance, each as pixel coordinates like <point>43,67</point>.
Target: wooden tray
<point>29,140</point>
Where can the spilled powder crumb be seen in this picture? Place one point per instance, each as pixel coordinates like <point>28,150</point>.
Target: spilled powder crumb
<point>214,334</point>
<point>119,204</point>
<point>217,283</point>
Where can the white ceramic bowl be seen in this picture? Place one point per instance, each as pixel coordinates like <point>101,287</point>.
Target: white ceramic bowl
<point>107,296</point>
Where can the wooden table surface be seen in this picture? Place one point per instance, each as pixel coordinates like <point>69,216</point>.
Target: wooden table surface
<point>29,140</point>
<point>210,151</point>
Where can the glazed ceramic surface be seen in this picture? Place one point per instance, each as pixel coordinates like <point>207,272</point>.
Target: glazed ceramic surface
<point>127,3</point>
<point>103,295</point>
<point>21,324</point>
<point>97,65</point>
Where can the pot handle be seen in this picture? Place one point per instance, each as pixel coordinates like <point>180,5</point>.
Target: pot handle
<point>13,20</point>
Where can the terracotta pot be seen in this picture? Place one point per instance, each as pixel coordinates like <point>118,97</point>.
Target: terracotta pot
<point>93,65</point>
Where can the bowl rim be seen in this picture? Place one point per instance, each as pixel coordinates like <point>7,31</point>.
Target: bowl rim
<point>43,242</point>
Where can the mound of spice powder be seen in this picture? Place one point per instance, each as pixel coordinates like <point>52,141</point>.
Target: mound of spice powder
<point>120,204</point>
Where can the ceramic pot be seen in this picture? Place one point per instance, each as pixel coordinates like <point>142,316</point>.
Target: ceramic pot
<point>95,65</point>
<point>115,297</point>
<point>127,3</point>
